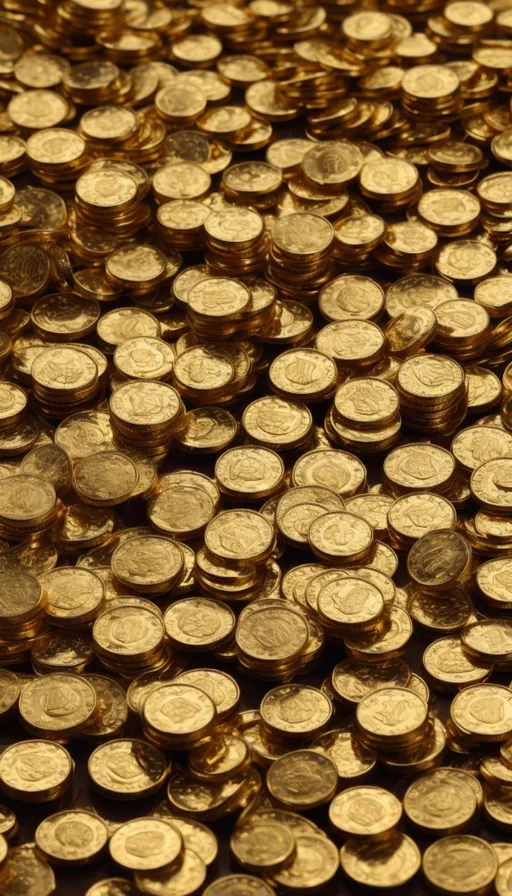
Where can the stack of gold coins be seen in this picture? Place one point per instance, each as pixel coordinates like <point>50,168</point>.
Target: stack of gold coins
<point>406,715</point>
<point>408,245</point>
<point>164,723</point>
<point>250,473</point>
<point>145,415</point>
<point>57,157</point>
<point>315,89</point>
<point>216,305</point>
<point>23,620</point>
<point>365,415</point>
<point>181,224</point>
<point>454,159</point>
<point>274,422</point>
<point>139,268</point>
<point>108,199</point>
<point>12,155</point>
<point>431,92</point>
<point>213,372</point>
<point>29,508</point>
<point>74,596</point>
<point>355,238</point>
<point>272,640</point>
<point>433,393</point>
<point>76,20</point>
<point>390,183</point>
<point>236,241</point>
<point>464,330</point>
<point>299,255</point>
<point>64,378</point>
<point>236,585</point>
<point>252,183</point>
<point>129,639</point>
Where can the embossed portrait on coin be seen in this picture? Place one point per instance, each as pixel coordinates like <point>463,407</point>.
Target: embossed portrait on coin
<point>74,834</point>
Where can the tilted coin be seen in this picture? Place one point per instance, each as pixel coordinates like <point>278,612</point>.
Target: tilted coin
<point>369,812</point>
<point>73,837</point>
<point>146,844</point>
<point>302,780</point>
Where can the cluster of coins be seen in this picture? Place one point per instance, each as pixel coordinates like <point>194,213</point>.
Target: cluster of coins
<point>256,446</point>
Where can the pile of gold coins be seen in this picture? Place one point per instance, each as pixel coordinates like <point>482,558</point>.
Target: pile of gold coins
<point>255,447</point>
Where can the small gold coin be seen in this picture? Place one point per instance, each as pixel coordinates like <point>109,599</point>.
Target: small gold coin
<point>163,712</point>
<point>369,812</point>
<point>188,879</point>
<point>57,703</point>
<point>262,845</point>
<point>73,594</point>
<point>302,873</point>
<point>73,837</point>
<point>35,771</point>
<point>318,776</point>
<point>146,844</point>
<point>197,623</point>
<point>127,769</point>
<point>239,536</point>
<point>439,559</point>
<point>295,710</point>
<point>460,864</point>
<point>449,668</point>
<point>340,537</point>
<point>395,861</point>
<point>147,564</point>
<point>390,717</point>
<point>483,712</point>
<point>424,796</point>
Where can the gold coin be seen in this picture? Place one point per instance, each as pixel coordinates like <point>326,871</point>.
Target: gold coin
<point>295,710</point>
<point>146,844</point>
<point>369,812</point>
<point>128,634</point>
<point>395,861</point>
<point>239,536</point>
<point>249,472</point>
<point>315,864</point>
<point>111,700</point>
<point>460,864</point>
<point>484,712</point>
<point>105,479</point>
<point>430,791</point>
<point>196,836</point>
<point>439,559</point>
<point>238,885</point>
<point>71,838</point>
<point>35,771</point>
<point>390,717</point>
<point>503,880</point>
<point>73,594</point>
<point>449,668</point>
<point>331,468</point>
<point>272,635</point>
<point>318,775</point>
<point>148,564</point>
<point>189,877</point>
<point>352,681</point>
<point>418,466</point>
<point>8,823</point>
<point>262,845</point>
<point>340,537</point>
<point>127,769</point>
<point>199,624</point>
<point>57,703</point>
<point>163,711</point>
